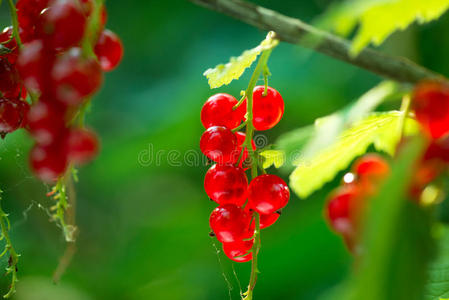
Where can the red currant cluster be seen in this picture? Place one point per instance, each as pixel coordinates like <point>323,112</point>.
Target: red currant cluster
<point>233,221</point>
<point>61,64</point>
<point>346,204</point>
<point>430,102</point>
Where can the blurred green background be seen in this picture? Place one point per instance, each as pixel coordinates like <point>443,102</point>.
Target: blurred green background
<point>144,222</point>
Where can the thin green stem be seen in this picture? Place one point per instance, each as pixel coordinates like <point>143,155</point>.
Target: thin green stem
<point>242,98</point>
<point>15,23</point>
<point>13,256</point>
<point>405,109</point>
<point>240,126</point>
<point>255,251</point>
<point>91,33</point>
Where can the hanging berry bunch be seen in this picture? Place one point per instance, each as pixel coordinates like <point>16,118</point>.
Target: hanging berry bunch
<point>347,204</point>
<point>245,206</point>
<point>51,63</point>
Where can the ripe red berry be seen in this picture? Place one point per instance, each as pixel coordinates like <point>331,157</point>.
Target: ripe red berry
<point>372,167</point>
<point>82,145</point>
<point>75,77</point>
<point>239,251</point>
<point>109,50</point>
<point>226,184</point>
<point>48,162</point>
<point>28,12</point>
<point>431,105</point>
<point>438,150</point>
<point>12,114</point>
<point>10,86</point>
<point>218,111</point>
<point>230,223</point>
<point>33,64</point>
<point>267,110</point>
<point>268,220</point>
<point>219,144</point>
<point>240,140</point>
<point>267,193</point>
<point>342,208</point>
<point>45,121</point>
<point>9,42</point>
<point>62,24</point>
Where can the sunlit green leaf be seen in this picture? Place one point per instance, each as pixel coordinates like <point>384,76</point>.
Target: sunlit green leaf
<point>224,73</point>
<point>380,18</point>
<point>380,130</point>
<point>273,157</point>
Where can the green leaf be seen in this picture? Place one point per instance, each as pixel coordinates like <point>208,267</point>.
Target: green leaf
<point>272,157</point>
<point>437,286</point>
<point>396,240</point>
<point>382,130</point>
<point>223,74</point>
<point>378,19</point>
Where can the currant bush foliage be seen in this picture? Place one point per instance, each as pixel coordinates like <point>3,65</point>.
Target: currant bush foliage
<point>223,74</point>
<point>378,19</point>
<point>382,130</point>
<point>438,271</point>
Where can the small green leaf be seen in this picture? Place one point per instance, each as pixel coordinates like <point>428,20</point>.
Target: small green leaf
<point>224,73</point>
<point>378,19</point>
<point>381,130</point>
<point>437,286</point>
<point>273,157</point>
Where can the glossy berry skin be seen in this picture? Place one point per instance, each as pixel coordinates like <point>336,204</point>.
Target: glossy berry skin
<point>82,146</point>
<point>267,193</point>
<point>268,220</point>
<point>109,50</point>
<point>219,144</point>
<point>10,86</point>
<point>62,24</point>
<point>236,251</point>
<point>75,77</point>
<point>371,167</point>
<point>12,115</point>
<point>267,110</point>
<point>33,64</point>
<point>7,41</point>
<point>28,12</point>
<point>226,184</point>
<point>48,162</point>
<point>45,122</point>
<point>431,105</point>
<point>218,111</point>
<point>240,140</point>
<point>342,209</point>
<point>230,223</point>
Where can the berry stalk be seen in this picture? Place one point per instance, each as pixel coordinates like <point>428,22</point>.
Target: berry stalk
<point>15,23</point>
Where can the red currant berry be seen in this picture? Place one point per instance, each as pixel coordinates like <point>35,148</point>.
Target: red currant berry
<point>12,114</point>
<point>268,220</point>
<point>10,86</point>
<point>33,64</point>
<point>342,208</point>
<point>226,184</point>
<point>230,223</point>
<point>109,50</point>
<point>7,40</point>
<point>219,111</point>
<point>431,105</point>
<point>239,251</point>
<point>438,150</point>
<point>219,144</point>
<point>82,146</point>
<point>267,193</point>
<point>267,110</point>
<point>371,166</point>
<point>62,24</point>
<point>45,122</point>
<point>28,12</point>
<point>240,140</point>
<point>48,162</point>
<point>75,77</point>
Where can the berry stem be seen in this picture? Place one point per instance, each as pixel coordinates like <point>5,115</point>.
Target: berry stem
<point>255,251</point>
<point>243,97</point>
<point>240,126</point>
<point>91,34</point>
<point>15,23</point>
<point>405,109</point>
<point>13,256</point>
